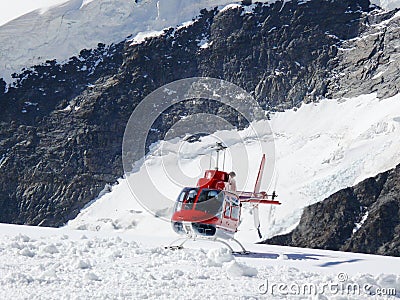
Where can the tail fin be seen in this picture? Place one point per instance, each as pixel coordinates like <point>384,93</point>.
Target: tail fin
<point>259,176</point>
<point>257,190</point>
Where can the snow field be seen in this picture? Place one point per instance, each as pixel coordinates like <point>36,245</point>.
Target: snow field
<point>61,263</point>
<point>109,267</point>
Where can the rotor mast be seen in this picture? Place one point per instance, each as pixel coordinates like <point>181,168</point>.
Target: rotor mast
<point>219,147</point>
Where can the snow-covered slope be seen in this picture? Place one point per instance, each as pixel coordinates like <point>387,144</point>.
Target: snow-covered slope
<point>61,31</point>
<point>44,263</point>
<point>320,149</point>
<point>10,10</point>
<point>387,4</point>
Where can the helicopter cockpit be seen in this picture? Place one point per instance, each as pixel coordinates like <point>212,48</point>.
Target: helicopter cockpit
<point>209,200</point>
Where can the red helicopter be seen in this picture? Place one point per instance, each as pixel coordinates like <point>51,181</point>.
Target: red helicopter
<point>212,209</point>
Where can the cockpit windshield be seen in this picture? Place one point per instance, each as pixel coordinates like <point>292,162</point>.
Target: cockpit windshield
<point>186,199</point>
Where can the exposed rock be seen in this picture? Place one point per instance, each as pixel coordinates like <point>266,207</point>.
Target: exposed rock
<point>370,62</point>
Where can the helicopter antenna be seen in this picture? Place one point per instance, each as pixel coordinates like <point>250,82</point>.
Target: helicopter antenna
<point>223,163</point>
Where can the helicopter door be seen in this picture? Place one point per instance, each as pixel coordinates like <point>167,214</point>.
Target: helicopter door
<point>227,214</point>
<point>235,213</point>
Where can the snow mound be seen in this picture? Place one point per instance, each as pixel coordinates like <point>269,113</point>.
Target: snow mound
<point>92,276</point>
<point>217,257</point>
<point>222,257</point>
<point>235,269</point>
<point>27,252</point>
<point>82,264</point>
<point>50,249</point>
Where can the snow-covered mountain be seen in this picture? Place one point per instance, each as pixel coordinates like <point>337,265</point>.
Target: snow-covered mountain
<point>387,4</point>
<point>12,10</point>
<point>61,142</point>
<point>59,29</point>
<point>63,30</point>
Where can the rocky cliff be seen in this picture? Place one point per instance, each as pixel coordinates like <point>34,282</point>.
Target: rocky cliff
<point>62,123</point>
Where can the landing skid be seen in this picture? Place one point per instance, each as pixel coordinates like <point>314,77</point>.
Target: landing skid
<point>171,246</point>
<point>174,247</point>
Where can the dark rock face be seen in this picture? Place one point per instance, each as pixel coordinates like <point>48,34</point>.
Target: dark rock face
<point>370,62</point>
<point>62,124</point>
<point>44,143</point>
<point>373,204</point>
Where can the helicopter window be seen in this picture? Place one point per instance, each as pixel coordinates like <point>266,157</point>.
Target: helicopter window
<point>212,194</point>
<point>179,200</point>
<point>186,199</point>
<point>210,201</point>
<point>178,206</point>
<point>227,211</point>
<point>207,195</point>
<point>190,198</point>
<point>181,196</point>
<point>235,212</point>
